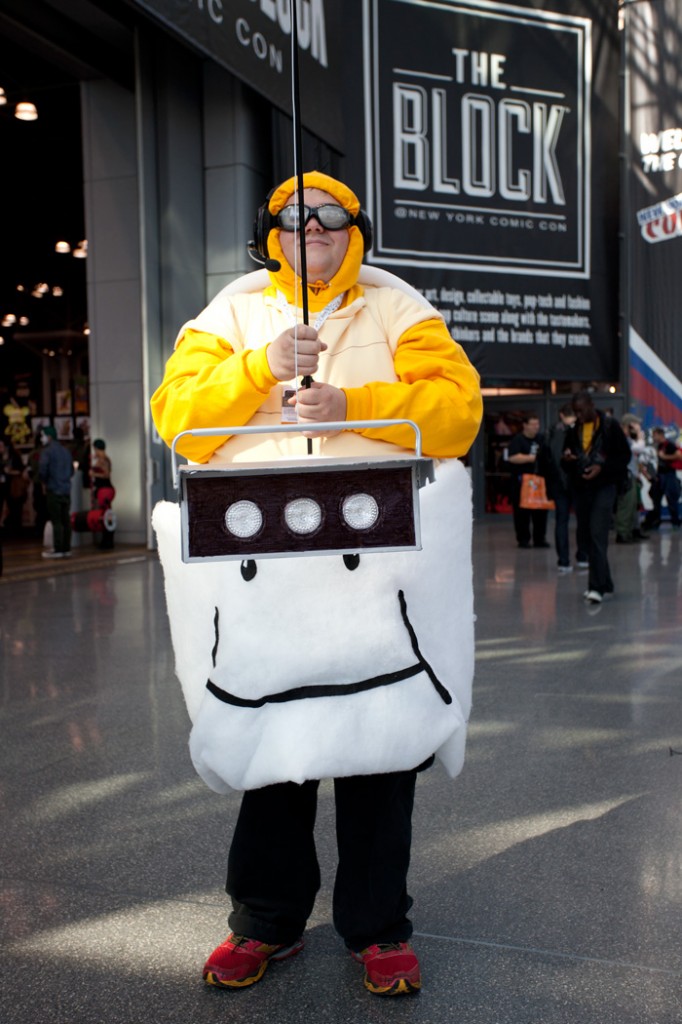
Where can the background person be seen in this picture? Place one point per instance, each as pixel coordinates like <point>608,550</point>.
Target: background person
<point>4,479</point>
<point>81,456</point>
<point>55,470</point>
<point>38,498</point>
<point>17,489</point>
<point>524,456</point>
<point>667,483</point>
<point>627,522</point>
<point>559,489</point>
<point>596,456</point>
<point>100,467</point>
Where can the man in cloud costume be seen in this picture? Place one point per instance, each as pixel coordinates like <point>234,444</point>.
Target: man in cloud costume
<point>307,667</point>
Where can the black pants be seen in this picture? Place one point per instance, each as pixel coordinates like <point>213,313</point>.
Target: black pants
<point>594,510</point>
<point>526,519</point>
<point>562,502</point>
<point>58,512</point>
<point>273,875</point>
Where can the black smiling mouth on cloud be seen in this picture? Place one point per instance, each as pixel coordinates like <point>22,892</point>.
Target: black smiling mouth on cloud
<point>335,689</point>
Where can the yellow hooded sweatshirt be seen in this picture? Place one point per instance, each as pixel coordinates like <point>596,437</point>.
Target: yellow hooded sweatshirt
<point>392,356</point>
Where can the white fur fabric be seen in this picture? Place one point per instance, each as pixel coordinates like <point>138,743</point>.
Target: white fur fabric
<point>310,621</point>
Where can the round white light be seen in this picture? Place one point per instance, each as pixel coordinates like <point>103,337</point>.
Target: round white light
<point>243,519</point>
<point>360,511</point>
<point>26,111</point>
<point>303,515</point>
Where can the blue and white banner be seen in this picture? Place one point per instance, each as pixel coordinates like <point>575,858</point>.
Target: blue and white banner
<point>653,225</point>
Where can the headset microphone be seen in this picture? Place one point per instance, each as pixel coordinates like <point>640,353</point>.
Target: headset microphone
<point>265,261</point>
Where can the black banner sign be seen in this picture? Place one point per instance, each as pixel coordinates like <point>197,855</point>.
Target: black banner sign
<point>491,169</point>
<point>252,39</point>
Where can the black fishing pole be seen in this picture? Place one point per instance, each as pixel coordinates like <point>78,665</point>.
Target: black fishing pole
<point>298,172</point>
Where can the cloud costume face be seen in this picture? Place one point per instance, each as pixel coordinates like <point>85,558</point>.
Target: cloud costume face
<point>325,666</point>
<point>378,678</point>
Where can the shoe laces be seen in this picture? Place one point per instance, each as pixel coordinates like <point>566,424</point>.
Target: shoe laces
<point>391,947</point>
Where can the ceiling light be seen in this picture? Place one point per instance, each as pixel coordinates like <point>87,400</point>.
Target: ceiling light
<point>3,97</point>
<point>81,250</point>
<point>8,320</point>
<point>62,247</point>
<point>57,291</point>
<point>26,111</point>
<point>23,321</point>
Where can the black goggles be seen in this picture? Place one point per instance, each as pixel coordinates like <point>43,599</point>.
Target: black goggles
<point>329,216</point>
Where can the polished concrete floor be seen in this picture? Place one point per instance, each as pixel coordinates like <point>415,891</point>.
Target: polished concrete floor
<point>547,879</point>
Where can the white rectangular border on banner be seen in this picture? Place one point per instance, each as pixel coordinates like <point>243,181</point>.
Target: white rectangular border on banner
<point>376,120</point>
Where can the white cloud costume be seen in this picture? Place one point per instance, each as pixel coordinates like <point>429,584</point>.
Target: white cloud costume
<point>313,670</point>
<point>319,666</point>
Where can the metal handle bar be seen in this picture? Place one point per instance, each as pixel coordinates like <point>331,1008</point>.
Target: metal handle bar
<point>293,428</point>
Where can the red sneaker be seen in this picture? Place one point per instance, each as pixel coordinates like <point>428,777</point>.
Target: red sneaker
<point>239,961</point>
<point>391,969</point>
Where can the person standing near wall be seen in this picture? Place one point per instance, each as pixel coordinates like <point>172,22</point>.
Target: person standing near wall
<point>55,470</point>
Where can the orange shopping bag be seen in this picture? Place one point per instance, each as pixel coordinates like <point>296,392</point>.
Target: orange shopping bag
<point>534,492</point>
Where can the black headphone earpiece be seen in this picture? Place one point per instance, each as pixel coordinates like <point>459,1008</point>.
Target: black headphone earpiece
<point>262,226</point>
<point>365,225</point>
<point>266,221</point>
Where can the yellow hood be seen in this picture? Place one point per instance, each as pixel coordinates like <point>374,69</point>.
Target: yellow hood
<point>345,280</point>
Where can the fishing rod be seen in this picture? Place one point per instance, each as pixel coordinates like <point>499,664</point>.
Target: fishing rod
<point>298,174</point>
